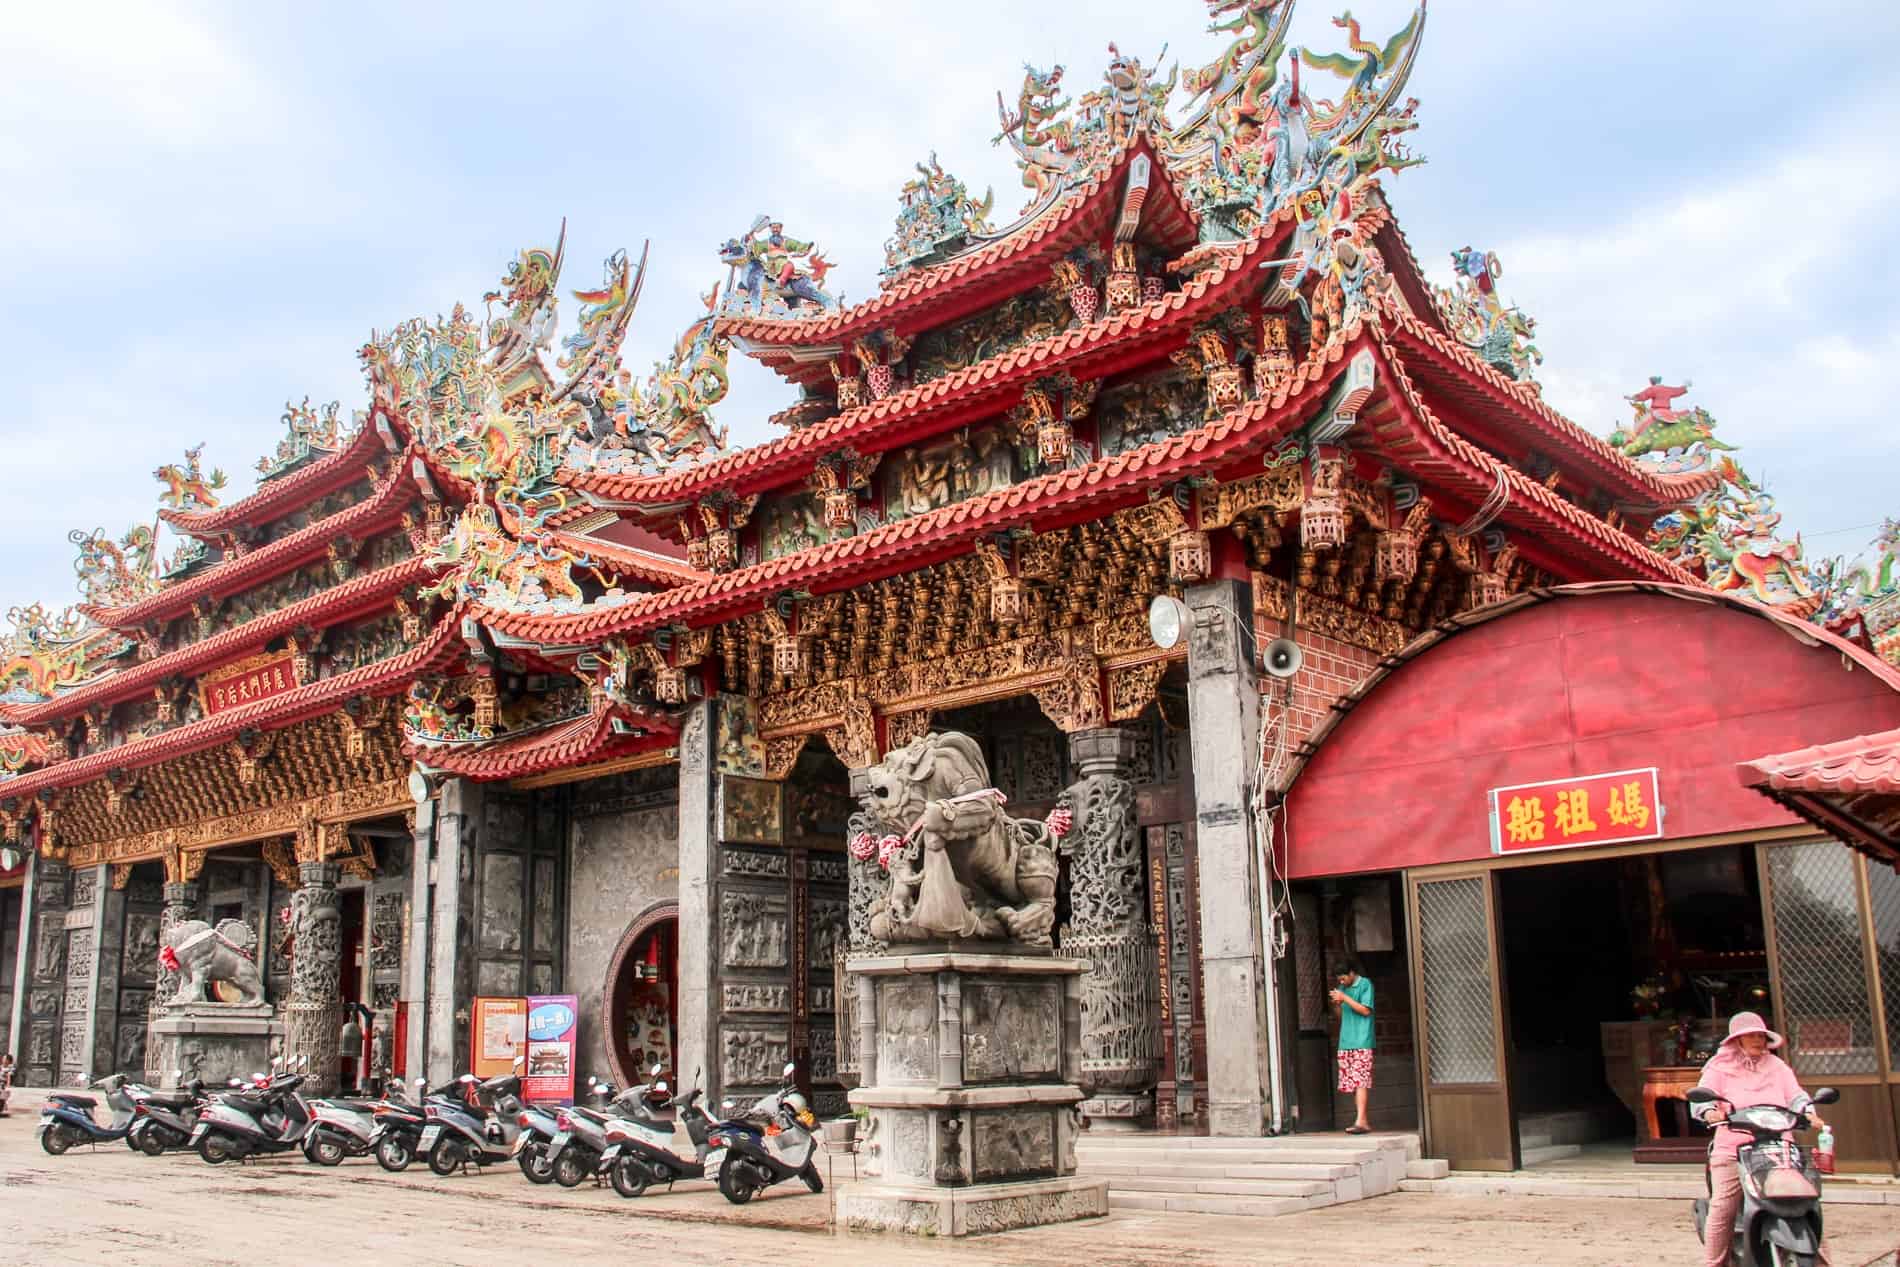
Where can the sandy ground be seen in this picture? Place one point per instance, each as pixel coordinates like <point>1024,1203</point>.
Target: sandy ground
<point>113,1206</point>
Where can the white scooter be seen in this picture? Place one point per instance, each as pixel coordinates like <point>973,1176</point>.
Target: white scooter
<point>748,1164</point>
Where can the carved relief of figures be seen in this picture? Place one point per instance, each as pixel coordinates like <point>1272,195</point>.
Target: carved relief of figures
<point>869,885</point>
<point>753,930</point>
<point>754,1057</point>
<point>829,931</point>
<point>141,948</point>
<point>752,996</point>
<point>385,946</point>
<point>970,465</point>
<point>314,1016</point>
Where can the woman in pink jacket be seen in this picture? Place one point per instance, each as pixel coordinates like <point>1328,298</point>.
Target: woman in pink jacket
<point>1745,1072</point>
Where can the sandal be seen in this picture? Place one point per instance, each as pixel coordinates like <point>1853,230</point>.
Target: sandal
<point>1358,1130</point>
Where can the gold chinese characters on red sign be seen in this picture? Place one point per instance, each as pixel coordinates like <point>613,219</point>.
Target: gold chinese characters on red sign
<point>248,681</point>
<point>1594,809</point>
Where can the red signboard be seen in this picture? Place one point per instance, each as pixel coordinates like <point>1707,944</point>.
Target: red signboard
<point>248,681</point>
<point>1594,809</point>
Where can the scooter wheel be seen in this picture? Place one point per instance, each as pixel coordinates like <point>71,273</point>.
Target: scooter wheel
<point>571,1168</point>
<point>810,1175</point>
<point>215,1150</point>
<point>630,1177</point>
<point>534,1163</point>
<point>446,1157</point>
<point>147,1142</point>
<point>735,1182</point>
<point>55,1140</point>
<point>395,1152</point>
<point>326,1152</point>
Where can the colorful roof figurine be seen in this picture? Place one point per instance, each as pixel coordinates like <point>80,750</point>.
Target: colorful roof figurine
<point>936,217</point>
<point>1477,317</point>
<point>771,275</point>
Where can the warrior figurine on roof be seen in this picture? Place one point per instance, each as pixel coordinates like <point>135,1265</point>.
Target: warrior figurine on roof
<point>776,275</point>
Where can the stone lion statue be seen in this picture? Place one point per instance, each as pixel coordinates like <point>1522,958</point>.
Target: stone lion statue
<point>201,954</point>
<point>965,869</point>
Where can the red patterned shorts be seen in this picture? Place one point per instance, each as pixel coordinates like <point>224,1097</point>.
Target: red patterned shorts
<point>1355,1070</point>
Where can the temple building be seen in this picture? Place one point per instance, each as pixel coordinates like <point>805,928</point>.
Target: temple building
<point>1254,563</point>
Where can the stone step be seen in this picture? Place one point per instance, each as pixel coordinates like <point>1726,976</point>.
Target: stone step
<point>1333,1139</point>
<point>1549,1152</point>
<point>1538,1140</point>
<point>1183,1171</point>
<point>1175,1202</point>
<point>1427,1168</point>
<point>1223,1187</point>
<point>1231,1156</point>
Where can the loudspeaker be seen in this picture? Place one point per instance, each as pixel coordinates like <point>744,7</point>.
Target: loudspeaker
<point>1283,658</point>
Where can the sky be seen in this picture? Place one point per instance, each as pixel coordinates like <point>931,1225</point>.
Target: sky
<point>209,206</point>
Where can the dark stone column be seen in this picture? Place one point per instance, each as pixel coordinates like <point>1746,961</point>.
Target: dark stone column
<point>313,1018</point>
<point>108,950</point>
<point>699,1001</point>
<point>1121,1010</point>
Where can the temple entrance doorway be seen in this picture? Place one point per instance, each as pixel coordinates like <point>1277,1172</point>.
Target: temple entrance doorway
<point>641,1010</point>
<point>1619,973</point>
<point>353,1067</point>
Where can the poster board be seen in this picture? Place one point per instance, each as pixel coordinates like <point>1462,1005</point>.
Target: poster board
<point>496,1033</point>
<point>552,1025</point>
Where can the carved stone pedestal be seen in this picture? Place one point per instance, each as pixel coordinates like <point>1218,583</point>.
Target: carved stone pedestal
<point>213,1041</point>
<point>969,1063</point>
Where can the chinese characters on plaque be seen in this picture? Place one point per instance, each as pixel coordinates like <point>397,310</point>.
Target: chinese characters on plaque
<point>1595,809</point>
<point>248,681</point>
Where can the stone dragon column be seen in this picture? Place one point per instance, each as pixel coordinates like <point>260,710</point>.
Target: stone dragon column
<point>181,904</point>
<point>313,1018</point>
<point>1108,927</point>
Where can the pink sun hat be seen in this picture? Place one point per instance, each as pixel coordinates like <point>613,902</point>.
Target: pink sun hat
<point>1750,1023</point>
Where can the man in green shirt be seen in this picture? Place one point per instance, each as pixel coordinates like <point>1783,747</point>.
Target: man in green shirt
<point>1354,997</point>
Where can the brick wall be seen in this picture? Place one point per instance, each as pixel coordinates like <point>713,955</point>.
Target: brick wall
<point>1331,668</point>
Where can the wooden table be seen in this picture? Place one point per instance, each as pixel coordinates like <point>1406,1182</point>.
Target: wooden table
<point>1691,1141</point>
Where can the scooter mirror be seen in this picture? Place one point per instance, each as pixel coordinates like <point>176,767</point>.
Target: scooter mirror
<point>655,1071</point>
<point>1826,1095</point>
<point>789,1069</point>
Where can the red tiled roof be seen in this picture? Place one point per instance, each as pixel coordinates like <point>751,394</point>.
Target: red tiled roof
<point>571,742</point>
<point>1417,436</point>
<point>287,492</point>
<point>370,590</point>
<point>1022,248</point>
<point>1864,765</point>
<point>631,561</point>
<point>229,576</point>
<point>881,424</point>
<point>1462,376</point>
<point>385,677</point>
<point>837,564</point>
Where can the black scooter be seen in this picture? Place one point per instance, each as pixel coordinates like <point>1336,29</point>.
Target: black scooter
<point>399,1126</point>
<point>163,1120</point>
<point>1779,1221</point>
<point>266,1117</point>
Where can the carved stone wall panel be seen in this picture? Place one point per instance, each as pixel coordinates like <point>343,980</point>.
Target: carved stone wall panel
<point>140,963</point>
<point>754,929</point>
<point>830,933</point>
<point>754,996</point>
<point>907,1031</point>
<point>753,1056</point>
<point>1018,1144</point>
<point>761,864</point>
<point>824,1054</point>
<point>79,951</point>
<point>1006,1034</point>
<point>85,885</point>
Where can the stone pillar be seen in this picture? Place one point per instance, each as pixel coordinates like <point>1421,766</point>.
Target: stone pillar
<point>81,931</point>
<point>108,953</point>
<point>867,884</point>
<point>22,968</point>
<point>415,974</point>
<point>452,958</point>
<point>1224,727</point>
<point>181,905</point>
<point>1108,926</point>
<point>313,1018</point>
<point>699,914</point>
<point>42,977</point>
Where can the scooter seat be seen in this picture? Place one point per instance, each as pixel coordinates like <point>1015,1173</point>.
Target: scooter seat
<point>597,1118</point>
<point>77,1101</point>
<point>171,1099</point>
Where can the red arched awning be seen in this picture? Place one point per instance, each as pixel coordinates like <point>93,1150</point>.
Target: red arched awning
<point>1565,683</point>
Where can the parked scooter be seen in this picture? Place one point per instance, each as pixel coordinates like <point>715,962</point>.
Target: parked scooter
<point>581,1134</point>
<point>339,1128</point>
<point>647,1149</point>
<point>479,1131</point>
<point>266,1117</point>
<point>66,1118</point>
<point>537,1129</point>
<point>1779,1221</point>
<point>400,1121</point>
<point>163,1120</point>
<point>749,1164</point>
